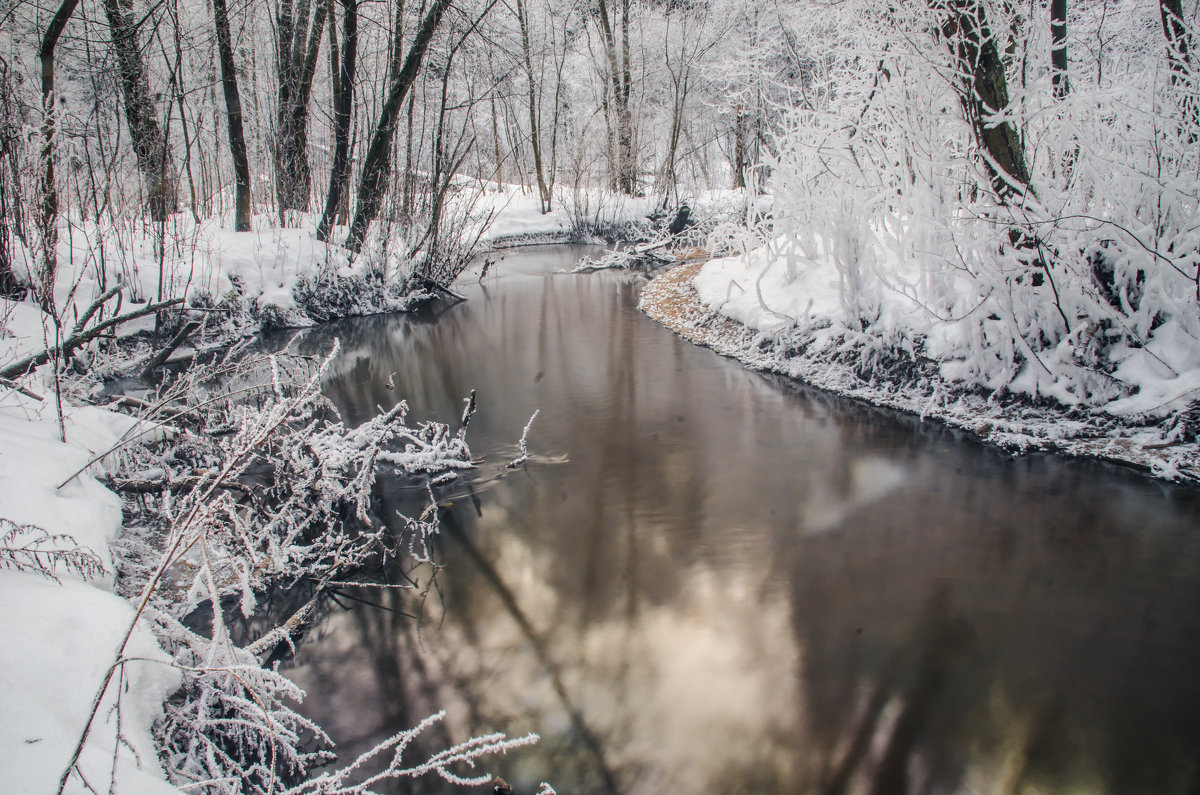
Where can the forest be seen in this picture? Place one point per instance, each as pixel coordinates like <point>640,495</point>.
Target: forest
<point>1015,180</point>
<point>989,204</point>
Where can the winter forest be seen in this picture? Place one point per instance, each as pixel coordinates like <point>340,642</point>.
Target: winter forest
<point>981,211</point>
<point>1006,189</point>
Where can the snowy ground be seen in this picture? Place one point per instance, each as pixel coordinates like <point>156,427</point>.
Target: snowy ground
<point>61,637</point>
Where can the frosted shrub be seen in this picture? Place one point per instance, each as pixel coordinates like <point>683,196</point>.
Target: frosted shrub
<point>322,297</point>
<point>1083,288</point>
<point>26,547</point>
<point>256,484</point>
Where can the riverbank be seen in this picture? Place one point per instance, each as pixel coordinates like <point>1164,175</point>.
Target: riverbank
<point>672,300</point>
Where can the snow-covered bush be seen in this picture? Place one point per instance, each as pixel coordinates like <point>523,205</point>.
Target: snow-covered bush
<point>1082,287</point>
<point>323,297</point>
<point>250,482</point>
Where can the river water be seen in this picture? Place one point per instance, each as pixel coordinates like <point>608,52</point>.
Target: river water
<point>708,580</point>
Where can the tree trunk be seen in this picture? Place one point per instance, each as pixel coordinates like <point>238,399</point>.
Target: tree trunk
<point>373,182</point>
<point>985,94</point>
<point>233,114</point>
<point>343,105</point>
<point>1180,59</point>
<point>146,134</point>
<point>9,208</point>
<point>1058,48</point>
<point>534,135</point>
<point>298,51</point>
<point>620,80</point>
<point>740,148</point>
<point>1177,39</point>
<point>48,218</point>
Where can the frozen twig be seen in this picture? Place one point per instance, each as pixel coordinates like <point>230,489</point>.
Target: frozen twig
<point>523,445</point>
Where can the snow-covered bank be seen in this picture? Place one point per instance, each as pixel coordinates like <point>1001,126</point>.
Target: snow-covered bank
<point>284,276</point>
<point>759,326</point>
<point>57,639</point>
<point>60,639</point>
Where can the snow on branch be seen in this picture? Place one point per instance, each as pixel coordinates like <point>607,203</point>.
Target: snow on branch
<point>265,487</point>
<point>28,548</point>
<point>444,763</point>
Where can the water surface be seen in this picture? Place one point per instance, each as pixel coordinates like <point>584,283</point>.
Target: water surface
<point>707,580</point>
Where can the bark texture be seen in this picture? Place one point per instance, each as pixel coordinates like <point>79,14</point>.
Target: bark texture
<point>233,116</point>
<point>373,183</point>
<point>146,134</point>
<point>985,93</point>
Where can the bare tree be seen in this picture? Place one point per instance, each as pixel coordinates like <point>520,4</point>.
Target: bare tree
<point>48,217</point>
<point>985,93</point>
<point>1179,54</point>
<point>343,105</point>
<point>12,214</point>
<point>534,109</point>
<point>298,47</point>
<point>233,114</point>
<point>1058,48</point>
<point>373,182</point>
<point>617,99</point>
<point>146,135</point>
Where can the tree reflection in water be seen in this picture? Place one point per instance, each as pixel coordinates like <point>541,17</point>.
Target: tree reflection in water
<point>708,580</point>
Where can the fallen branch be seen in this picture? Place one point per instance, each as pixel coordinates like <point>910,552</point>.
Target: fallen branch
<point>23,366</point>
<point>13,385</point>
<point>287,631</point>
<point>129,486</point>
<point>82,322</point>
<point>175,342</point>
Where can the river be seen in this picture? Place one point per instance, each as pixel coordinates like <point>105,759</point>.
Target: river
<point>708,580</point>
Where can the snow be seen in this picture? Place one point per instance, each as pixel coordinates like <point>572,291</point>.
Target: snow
<point>775,289</point>
<point>761,290</point>
<point>515,211</point>
<point>750,308</point>
<point>60,639</point>
<point>22,332</point>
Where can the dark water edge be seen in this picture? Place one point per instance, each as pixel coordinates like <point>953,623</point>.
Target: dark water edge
<point>708,579</point>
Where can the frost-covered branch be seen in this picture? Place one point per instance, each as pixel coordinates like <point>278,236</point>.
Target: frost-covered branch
<point>267,488</point>
<point>445,763</point>
<point>25,547</point>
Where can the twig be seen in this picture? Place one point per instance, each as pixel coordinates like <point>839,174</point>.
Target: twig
<point>286,632</point>
<point>523,445</point>
<point>13,385</point>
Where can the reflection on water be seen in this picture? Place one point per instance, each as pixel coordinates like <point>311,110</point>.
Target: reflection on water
<point>707,580</point>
